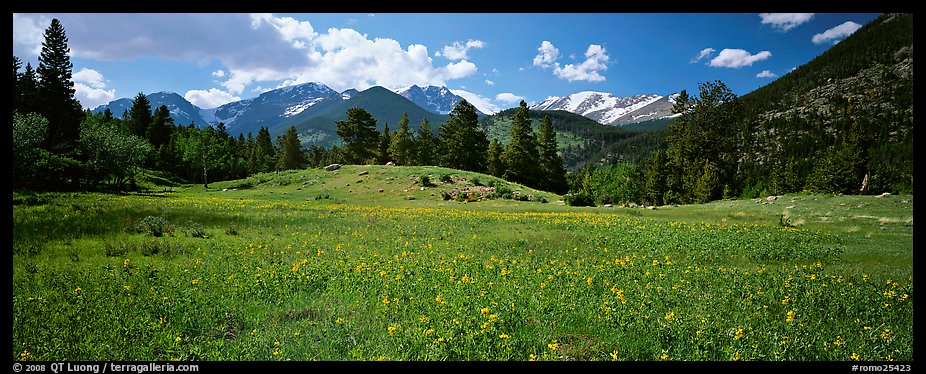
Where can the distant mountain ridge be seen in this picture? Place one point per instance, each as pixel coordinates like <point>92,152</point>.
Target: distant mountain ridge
<point>608,109</point>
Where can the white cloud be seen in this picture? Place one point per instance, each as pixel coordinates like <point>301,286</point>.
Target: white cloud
<point>489,83</point>
<point>458,50</point>
<point>210,98</point>
<point>253,50</point>
<point>785,21</point>
<point>90,88</point>
<point>547,56</point>
<point>836,33</point>
<point>766,74</point>
<point>483,104</point>
<point>737,58</point>
<point>218,73</point>
<point>706,52</point>
<point>508,98</point>
<point>595,60</point>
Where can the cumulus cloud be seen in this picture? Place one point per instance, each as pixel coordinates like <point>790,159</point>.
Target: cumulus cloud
<point>837,33</point>
<point>508,98</point>
<point>547,56</point>
<point>595,59</point>
<point>210,98</point>
<point>458,50</point>
<point>218,73</point>
<point>706,52</point>
<point>785,21</point>
<point>766,74</point>
<point>90,88</point>
<point>737,58</point>
<point>253,49</point>
<point>489,83</point>
<point>483,104</point>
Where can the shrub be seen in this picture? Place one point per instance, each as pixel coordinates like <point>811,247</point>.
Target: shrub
<point>425,181</point>
<point>114,250</point>
<point>446,178</point>
<point>477,182</point>
<point>580,198</point>
<point>155,226</point>
<point>231,230</point>
<point>196,230</point>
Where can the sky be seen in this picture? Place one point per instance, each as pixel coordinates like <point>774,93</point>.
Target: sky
<point>494,60</point>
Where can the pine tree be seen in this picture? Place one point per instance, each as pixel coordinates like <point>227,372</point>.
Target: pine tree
<point>56,90</point>
<point>158,133</point>
<point>139,116</point>
<point>402,148</point>
<point>494,159</point>
<point>28,86</point>
<point>382,149</point>
<point>463,143</point>
<point>264,154</point>
<point>359,135</point>
<point>291,156</point>
<point>522,154</point>
<point>554,173</point>
<point>16,99</point>
<point>425,145</point>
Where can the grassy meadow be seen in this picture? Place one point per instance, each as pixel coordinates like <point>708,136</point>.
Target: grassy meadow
<point>316,265</point>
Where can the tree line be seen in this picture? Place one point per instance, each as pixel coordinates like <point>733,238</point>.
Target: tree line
<point>530,159</point>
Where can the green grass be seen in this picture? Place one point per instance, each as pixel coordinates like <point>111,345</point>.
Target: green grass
<point>300,266</point>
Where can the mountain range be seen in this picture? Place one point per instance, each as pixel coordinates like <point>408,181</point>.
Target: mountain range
<point>315,108</point>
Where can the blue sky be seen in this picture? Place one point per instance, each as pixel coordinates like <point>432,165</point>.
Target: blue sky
<point>493,60</point>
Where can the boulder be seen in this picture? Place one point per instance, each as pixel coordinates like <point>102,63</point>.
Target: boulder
<point>422,188</point>
<point>771,198</point>
<point>390,163</point>
<point>364,173</point>
<point>333,167</point>
<point>409,198</point>
<point>379,190</point>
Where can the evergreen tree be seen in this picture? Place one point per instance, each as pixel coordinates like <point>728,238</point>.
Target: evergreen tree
<point>107,115</point>
<point>139,116</point>
<point>263,155</point>
<point>402,148</point>
<point>463,143</point>
<point>359,135</point>
<point>521,156</point>
<point>554,173</point>
<point>158,133</point>
<point>56,90</point>
<point>28,86</point>
<point>707,187</point>
<point>16,99</point>
<point>382,150</point>
<point>425,145</point>
<point>494,159</point>
<point>291,156</point>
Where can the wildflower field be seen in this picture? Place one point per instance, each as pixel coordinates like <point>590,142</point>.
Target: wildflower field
<point>310,269</point>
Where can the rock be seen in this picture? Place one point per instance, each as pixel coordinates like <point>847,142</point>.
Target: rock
<point>789,207</point>
<point>409,198</point>
<point>390,163</point>
<point>224,189</point>
<point>607,205</point>
<point>348,185</point>
<point>422,188</point>
<point>364,172</point>
<point>771,198</point>
<point>359,181</point>
<point>333,167</point>
<point>886,194</point>
<point>379,190</point>
<point>651,207</point>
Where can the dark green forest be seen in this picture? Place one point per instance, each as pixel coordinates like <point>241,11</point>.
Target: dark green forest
<point>842,123</point>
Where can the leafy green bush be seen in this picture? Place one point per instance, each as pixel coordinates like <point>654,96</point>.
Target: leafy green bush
<point>580,198</point>
<point>155,226</point>
<point>446,178</point>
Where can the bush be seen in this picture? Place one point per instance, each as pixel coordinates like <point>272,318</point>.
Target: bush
<point>477,182</point>
<point>196,230</point>
<point>446,178</point>
<point>115,250</point>
<point>155,226</point>
<point>425,181</point>
<point>580,198</point>
<point>231,230</point>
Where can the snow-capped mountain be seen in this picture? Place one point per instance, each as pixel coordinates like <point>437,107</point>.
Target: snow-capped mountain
<point>181,111</point>
<point>607,109</point>
<point>433,98</point>
<point>271,107</point>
